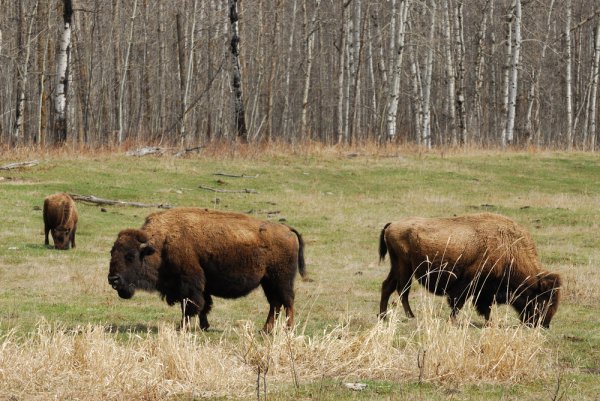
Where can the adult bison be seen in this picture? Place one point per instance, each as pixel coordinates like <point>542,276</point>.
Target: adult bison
<point>486,256</point>
<point>190,254</point>
<point>60,219</point>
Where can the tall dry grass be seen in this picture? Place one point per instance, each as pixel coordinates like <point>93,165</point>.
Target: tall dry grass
<point>90,363</point>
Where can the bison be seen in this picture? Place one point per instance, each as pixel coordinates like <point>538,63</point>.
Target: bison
<point>189,255</point>
<point>60,219</point>
<point>485,256</point>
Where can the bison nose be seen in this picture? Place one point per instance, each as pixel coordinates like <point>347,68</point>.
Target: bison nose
<point>114,281</point>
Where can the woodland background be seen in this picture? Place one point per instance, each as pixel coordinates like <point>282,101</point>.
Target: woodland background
<point>436,73</point>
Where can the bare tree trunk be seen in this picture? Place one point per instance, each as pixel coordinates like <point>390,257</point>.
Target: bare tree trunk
<point>417,88</point>
<point>594,89</point>
<point>569,78</point>
<point>288,64</point>
<point>17,134</point>
<point>479,70</point>
<point>186,138</point>
<point>394,95</point>
<point>273,73</point>
<point>450,75</point>
<point>239,114</point>
<point>460,74</point>
<point>124,74</point>
<point>62,75</point>
<point>509,53</point>
<point>310,30</point>
<point>426,134</point>
<point>536,76</point>
<point>341,74</point>
<point>41,59</point>
<point>514,76</point>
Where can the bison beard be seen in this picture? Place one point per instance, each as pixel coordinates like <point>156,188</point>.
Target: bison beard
<point>484,256</point>
<point>189,255</point>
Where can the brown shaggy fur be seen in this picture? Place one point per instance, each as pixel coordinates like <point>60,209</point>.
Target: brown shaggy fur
<point>486,256</point>
<point>191,254</point>
<point>60,219</point>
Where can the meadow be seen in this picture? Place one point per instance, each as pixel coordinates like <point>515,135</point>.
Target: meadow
<point>65,334</point>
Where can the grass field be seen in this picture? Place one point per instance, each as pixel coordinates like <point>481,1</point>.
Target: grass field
<point>65,334</point>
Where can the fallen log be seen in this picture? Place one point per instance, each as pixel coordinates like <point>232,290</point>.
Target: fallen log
<point>222,174</point>
<point>100,201</point>
<point>229,191</point>
<point>149,150</point>
<point>12,166</point>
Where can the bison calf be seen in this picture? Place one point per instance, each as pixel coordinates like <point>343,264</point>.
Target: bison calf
<point>486,256</point>
<point>190,254</point>
<point>60,219</point>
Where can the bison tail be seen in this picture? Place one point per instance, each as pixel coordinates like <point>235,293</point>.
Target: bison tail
<point>382,245</point>
<point>301,264</point>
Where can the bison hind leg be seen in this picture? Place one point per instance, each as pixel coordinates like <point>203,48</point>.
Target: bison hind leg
<point>278,296</point>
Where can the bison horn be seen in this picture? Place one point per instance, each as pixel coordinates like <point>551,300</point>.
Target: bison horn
<point>146,249</point>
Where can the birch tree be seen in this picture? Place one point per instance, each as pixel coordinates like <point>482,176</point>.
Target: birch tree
<point>239,114</point>
<point>450,75</point>
<point>594,87</point>
<point>569,77</point>
<point>62,74</point>
<point>394,96</point>
<point>426,133</point>
<point>460,73</point>
<point>310,30</point>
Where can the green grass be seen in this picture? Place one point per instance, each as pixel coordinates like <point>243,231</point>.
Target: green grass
<point>339,204</point>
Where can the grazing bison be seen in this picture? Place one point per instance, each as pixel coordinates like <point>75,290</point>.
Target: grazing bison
<point>190,254</point>
<point>60,219</point>
<point>486,256</point>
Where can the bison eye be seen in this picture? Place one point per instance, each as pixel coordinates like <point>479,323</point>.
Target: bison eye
<point>130,256</point>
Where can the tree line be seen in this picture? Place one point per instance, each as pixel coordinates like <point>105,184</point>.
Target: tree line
<point>484,73</point>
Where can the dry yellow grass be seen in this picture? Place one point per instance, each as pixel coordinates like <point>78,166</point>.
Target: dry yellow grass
<point>90,363</point>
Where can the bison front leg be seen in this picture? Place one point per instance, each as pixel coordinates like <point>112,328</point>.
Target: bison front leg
<point>204,312</point>
<point>46,231</point>
<point>190,308</point>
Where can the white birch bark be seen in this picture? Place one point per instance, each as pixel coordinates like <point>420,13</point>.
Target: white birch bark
<point>506,83</point>
<point>569,78</point>
<point>426,133</point>
<point>514,76</point>
<point>450,101</point>
<point>398,51</point>
<point>124,74</point>
<point>62,74</point>
<point>341,75</point>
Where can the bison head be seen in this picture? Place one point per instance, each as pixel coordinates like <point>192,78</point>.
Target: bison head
<point>127,265</point>
<point>61,237</point>
<point>539,303</point>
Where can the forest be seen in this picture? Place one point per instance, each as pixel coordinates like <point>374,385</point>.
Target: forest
<point>435,73</point>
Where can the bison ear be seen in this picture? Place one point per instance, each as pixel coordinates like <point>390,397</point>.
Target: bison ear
<point>549,282</point>
<point>146,250</point>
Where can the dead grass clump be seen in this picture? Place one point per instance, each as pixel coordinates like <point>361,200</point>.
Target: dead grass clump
<point>89,362</point>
